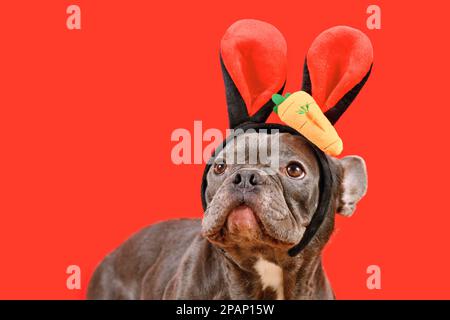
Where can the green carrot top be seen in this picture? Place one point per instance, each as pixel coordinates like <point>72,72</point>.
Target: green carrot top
<point>278,99</point>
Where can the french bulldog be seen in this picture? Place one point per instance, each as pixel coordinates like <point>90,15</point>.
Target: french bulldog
<point>266,219</point>
<point>239,251</point>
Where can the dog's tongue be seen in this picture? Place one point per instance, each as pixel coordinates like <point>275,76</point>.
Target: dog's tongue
<point>242,219</point>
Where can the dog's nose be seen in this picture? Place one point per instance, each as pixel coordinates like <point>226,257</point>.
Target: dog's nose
<point>247,179</point>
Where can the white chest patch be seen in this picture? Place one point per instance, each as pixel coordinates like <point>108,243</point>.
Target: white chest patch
<point>271,276</point>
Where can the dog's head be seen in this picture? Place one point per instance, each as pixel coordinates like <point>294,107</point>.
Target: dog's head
<point>270,203</point>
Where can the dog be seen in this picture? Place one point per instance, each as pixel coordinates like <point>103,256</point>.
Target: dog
<point>239,249</point>
<point>261,236</point>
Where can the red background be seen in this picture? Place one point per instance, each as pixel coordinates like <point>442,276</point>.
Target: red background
<point>86,118</point>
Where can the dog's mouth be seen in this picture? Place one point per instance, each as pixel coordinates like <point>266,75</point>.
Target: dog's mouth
<point>243,226</point>
<point>243,221</point>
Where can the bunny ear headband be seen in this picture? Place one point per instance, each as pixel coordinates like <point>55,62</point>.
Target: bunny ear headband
<point>254,67</point>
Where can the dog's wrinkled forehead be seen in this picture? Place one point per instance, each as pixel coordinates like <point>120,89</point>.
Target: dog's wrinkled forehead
<point>268,150</point>
<point>251,148</point>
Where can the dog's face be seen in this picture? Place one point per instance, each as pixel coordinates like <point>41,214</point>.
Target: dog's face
<point>256,205</point>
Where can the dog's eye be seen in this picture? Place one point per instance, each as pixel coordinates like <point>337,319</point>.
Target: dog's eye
<point>295,170</point>
<point>219,168</point>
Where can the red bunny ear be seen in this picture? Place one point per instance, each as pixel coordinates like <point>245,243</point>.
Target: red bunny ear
<point>254,55</point>
<point>337,65</point>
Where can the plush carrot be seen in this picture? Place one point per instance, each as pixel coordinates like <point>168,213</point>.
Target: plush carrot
<point>301,112</point>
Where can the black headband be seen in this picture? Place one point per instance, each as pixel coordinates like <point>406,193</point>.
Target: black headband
<point>325,180</point>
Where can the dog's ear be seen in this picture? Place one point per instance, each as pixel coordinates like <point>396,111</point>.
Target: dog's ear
<point>353,184</point>
<point>337,65</point>
<point>253,60</point>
